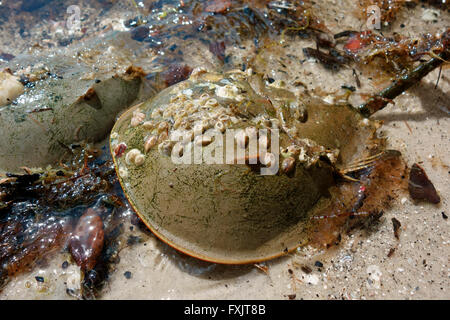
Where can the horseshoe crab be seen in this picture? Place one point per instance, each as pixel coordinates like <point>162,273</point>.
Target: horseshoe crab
<point>227,211</point>
<point>222,211</point>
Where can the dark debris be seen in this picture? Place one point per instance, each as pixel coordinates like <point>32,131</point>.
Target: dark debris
<point>420,187</point>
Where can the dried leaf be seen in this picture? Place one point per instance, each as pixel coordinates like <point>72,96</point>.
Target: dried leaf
<point>396,224</point>
<point>420,187</point>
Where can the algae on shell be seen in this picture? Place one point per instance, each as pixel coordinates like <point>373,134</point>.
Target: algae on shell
<point>74,97</point>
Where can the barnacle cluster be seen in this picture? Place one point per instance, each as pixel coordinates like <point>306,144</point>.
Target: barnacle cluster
<point>209,101</point>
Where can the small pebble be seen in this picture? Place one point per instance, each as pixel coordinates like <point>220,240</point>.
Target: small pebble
<point>140,33</point>
<point>133,240</point>
<point>306,269</point>
<point>39,279</point>
<point>65,265</point>
<point>127,274</point>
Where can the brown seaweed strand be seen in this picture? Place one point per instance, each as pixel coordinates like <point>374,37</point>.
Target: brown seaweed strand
<point>381,100</point>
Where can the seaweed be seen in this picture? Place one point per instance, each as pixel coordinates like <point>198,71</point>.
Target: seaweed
<point>382,99</point>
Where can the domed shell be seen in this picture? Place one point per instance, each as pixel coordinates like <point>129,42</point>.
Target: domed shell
<point>227,212</point>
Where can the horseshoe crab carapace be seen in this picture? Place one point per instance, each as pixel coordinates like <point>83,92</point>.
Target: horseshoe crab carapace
<point>224,212</point>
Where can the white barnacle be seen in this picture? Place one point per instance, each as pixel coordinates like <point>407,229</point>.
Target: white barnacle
<point>294,149</point>
<point>219,126</point>
<point>262,120</point>
<point>176,98</point>
<point>212,103</point>
<point>292,131</point>
<point>333,155</point>
<point>168,112</point>
<point>188,92</point>
<point>123,172</point>
<point>203,141</point>
<point>224,117</point>
<point>163,136</point>
<point>229,92</point>
<point>138,118</point>
<point>177,122</point>
<point>165,148</point>
<point>430,15</point>
<point>131,155</point>
<point>150,142</point>
<point>234,120</point>
<point>139,159</point>
<point>179,117</point>
<point>329,99</point>
<point>163,126</point>
<point>288,165</point>
<point>191,108</point>
<point>186,124</point>
<point>114,135</point>
<point>302,157</point>
<point>156,113</point>
<point>279,84</point>
<point>148,125</point>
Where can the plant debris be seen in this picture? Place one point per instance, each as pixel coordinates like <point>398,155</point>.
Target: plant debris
<point>218,49</point>
<point>399,51</point>
<point>396,224</point>
<point>262,267</point>
<point>360,204</point>
<point>306,269</point>
<point>86,242</point>
<point>331,60</point>
<point>420,187</point>
<point>391,252</point>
